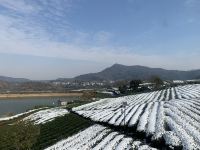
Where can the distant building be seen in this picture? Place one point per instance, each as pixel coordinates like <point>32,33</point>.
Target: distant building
<point>64,102</point>
<point>178,81</point>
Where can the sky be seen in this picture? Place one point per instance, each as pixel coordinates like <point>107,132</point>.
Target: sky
<point>49,39</point>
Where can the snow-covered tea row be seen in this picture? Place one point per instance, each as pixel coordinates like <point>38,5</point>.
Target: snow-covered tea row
<point>180,92</point>
<point>21,114</point>
<point>46,115</point>
<point>183,118</point>
<point>98,137</point>
<point>177,121</point>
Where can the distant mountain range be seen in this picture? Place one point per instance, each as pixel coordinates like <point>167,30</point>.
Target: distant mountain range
<point>122,72</point>
<point>10,79</point>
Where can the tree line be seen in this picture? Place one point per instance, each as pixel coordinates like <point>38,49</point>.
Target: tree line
<point>134,85</point>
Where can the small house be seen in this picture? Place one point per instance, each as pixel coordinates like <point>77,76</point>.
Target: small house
<point>64,102</point>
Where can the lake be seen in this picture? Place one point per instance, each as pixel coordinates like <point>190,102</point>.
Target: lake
<point>20,105</point>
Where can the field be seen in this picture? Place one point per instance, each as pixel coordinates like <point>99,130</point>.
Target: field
<point>43,116</point>
<point>170,116</point>
<point>99,137</point>
<point>13,119</point>
<point>51,131</point>
<point>60,128</point>
<point>166,119</point>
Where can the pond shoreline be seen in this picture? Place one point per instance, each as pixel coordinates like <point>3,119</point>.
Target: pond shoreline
<point>38,95</point>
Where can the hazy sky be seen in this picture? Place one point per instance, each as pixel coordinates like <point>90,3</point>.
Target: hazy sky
<point>47,39</point>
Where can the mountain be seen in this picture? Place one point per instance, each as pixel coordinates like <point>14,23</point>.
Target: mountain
<point>10,79</point>
<point>122,72</point>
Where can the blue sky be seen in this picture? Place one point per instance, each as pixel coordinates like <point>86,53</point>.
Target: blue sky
<point>47,39</point>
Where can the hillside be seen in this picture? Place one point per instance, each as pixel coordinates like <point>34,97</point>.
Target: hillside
<point>167,117</point>
<point>122,72</point>
<point>10,79</point>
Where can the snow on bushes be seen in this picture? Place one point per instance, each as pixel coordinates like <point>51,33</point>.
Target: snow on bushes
<point>172,115</point>
<point>98,137</point>
<point>20,115</point>
<point>46,115</point>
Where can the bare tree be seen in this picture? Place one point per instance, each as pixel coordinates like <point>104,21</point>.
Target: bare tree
<point>157,81</point>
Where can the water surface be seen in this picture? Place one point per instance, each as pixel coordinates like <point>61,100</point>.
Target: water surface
<point>19,105</point>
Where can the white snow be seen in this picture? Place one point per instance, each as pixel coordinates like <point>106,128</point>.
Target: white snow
<point>124,144</point>
<point>46,115</point>
<point>21,114</point>
<point>98,137</point>
<point>187,141</point>
<point>171,139</point>
<point>152,119</point>
<point>177,108</point>
<point>144,118</point>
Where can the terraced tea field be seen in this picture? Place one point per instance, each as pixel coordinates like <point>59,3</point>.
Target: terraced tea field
<point>166,119</point>
<point>171,116</point>
<point>98,137</point>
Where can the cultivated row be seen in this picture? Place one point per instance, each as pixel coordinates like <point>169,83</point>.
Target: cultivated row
<point>154,115</point>
<point>98,137</point>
